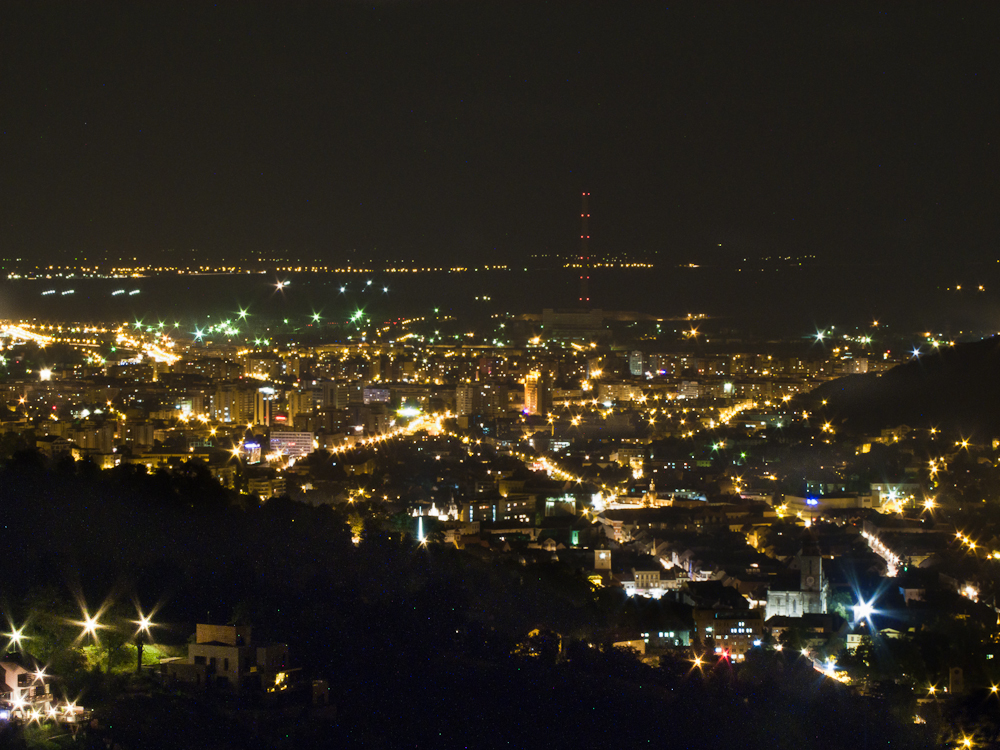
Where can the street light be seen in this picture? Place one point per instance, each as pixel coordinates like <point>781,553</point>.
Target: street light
<point>15,636</point>
<point>144,622</point>
<point>90,625</point>
<point>863,611</point>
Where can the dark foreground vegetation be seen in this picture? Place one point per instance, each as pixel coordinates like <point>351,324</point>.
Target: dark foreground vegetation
<point>419,644</point>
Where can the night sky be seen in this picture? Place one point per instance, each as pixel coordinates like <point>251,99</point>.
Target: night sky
<point>464,132</point>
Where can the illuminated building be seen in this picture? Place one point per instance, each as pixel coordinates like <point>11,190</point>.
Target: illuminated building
<point>375,395</point>
<point>643,583</point>
<point>519,508</point>
<point>463,399</point>
<point>537,393</point>
<point>138,434</point>
<point>339,395</point>
<point>487,399</point>
<point>636,363</point>
<point>811,594</point>
<point>251,451</point>
<point>689,389</point>
<point>291,444</point>
<point>607,392</point>
<point>226,654</point>
<point>856,366</point>
<point>263,405</point>
<point>602,559</point>
<point>729,632</point>
<point>266,487</point>
<point>19,681</point>
<point>233,404</point>
<point>263,365</point>
<point>302,402</point>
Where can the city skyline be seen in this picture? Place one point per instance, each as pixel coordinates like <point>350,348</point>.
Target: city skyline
<point>448,374</point>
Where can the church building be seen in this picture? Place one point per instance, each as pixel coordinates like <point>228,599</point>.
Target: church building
<point>810,596</point>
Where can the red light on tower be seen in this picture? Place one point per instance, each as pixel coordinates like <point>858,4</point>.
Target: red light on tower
<point>584,253</point>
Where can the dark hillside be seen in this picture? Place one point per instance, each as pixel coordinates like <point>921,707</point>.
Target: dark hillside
<point>955,388</point>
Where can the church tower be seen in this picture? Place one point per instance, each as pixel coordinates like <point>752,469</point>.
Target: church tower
<point>812,582</point>
<point>602,559</point>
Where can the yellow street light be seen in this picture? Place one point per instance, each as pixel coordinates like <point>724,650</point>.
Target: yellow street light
<point>16,636</point>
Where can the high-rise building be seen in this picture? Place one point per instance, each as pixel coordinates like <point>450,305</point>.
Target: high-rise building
<point>302,401</point>
<point>463,399</point>
<point>487,399</point>
<point>635,363</point>
<point>340,395</point>
<point>233,404</point>
<point>537,393</point>
<point>263,405</point>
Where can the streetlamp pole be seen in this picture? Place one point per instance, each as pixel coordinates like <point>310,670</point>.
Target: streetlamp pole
<point>140,637</point>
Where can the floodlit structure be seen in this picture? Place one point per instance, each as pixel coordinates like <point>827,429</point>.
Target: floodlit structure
<point>811,595</point>
<point>225,656</point>
<point>537,393</point>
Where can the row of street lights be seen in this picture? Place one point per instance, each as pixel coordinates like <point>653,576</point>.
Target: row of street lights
<point>90,626</point>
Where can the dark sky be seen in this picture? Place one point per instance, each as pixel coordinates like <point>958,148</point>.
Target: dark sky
<point>465,132</point>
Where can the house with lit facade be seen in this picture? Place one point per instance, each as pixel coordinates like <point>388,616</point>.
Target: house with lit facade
<point>23,682</point>
<point>644,582</point>
<point>729,632</point>
<point>226,656</point>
